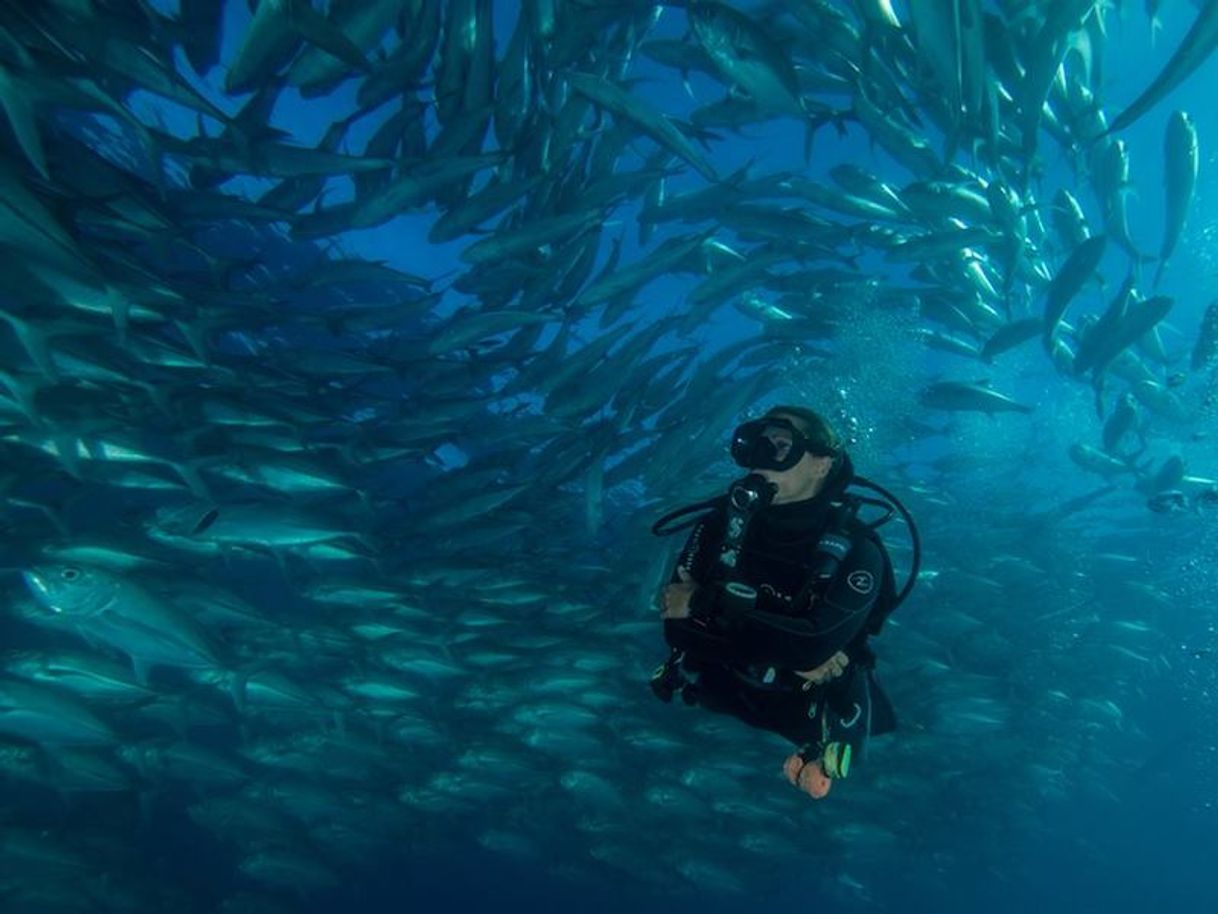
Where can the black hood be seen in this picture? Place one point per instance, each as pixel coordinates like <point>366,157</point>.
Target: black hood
<point>807,517</point>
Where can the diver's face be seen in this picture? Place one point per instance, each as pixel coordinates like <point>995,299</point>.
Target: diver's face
<point>800,482</point>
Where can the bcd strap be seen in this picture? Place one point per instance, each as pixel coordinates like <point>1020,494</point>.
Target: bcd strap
<point>841,533</point>
<point>831,550</point>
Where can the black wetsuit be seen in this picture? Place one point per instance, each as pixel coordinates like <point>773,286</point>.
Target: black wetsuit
<point>744,661</point>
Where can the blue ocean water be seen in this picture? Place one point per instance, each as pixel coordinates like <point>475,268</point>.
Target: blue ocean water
<point>1086,780</point>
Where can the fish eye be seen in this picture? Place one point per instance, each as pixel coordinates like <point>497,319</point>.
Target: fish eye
<point>71,573</point>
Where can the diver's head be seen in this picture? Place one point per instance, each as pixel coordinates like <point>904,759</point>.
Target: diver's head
<point>792,447</point>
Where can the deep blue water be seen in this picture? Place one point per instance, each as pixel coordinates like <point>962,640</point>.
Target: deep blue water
<point>1132,823</point>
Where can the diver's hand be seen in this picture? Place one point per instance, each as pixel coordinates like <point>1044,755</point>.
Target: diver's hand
<point>830,669</point>
<point>674,598</point>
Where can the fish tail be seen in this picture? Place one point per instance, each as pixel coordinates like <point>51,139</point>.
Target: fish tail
<point>236,689</point>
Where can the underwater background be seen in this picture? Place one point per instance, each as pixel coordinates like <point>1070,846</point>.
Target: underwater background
<point>350,350</point>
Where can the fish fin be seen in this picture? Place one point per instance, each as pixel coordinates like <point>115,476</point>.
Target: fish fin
<point>209,517</point>
<point>18,106</point>
<point>140,668</point>
<point>701,134</point>
<point>237,688</point>
<point>320,32</point>
<point>189,473</point>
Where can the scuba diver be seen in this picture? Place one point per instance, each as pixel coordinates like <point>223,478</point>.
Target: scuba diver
<point>773,599</point>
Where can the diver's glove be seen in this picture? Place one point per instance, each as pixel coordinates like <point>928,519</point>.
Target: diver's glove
<point>703,604</point>
<point>720,605</point>
<point>709,632</point>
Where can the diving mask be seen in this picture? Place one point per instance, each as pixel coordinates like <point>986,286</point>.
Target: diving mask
<point>773,443</point>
